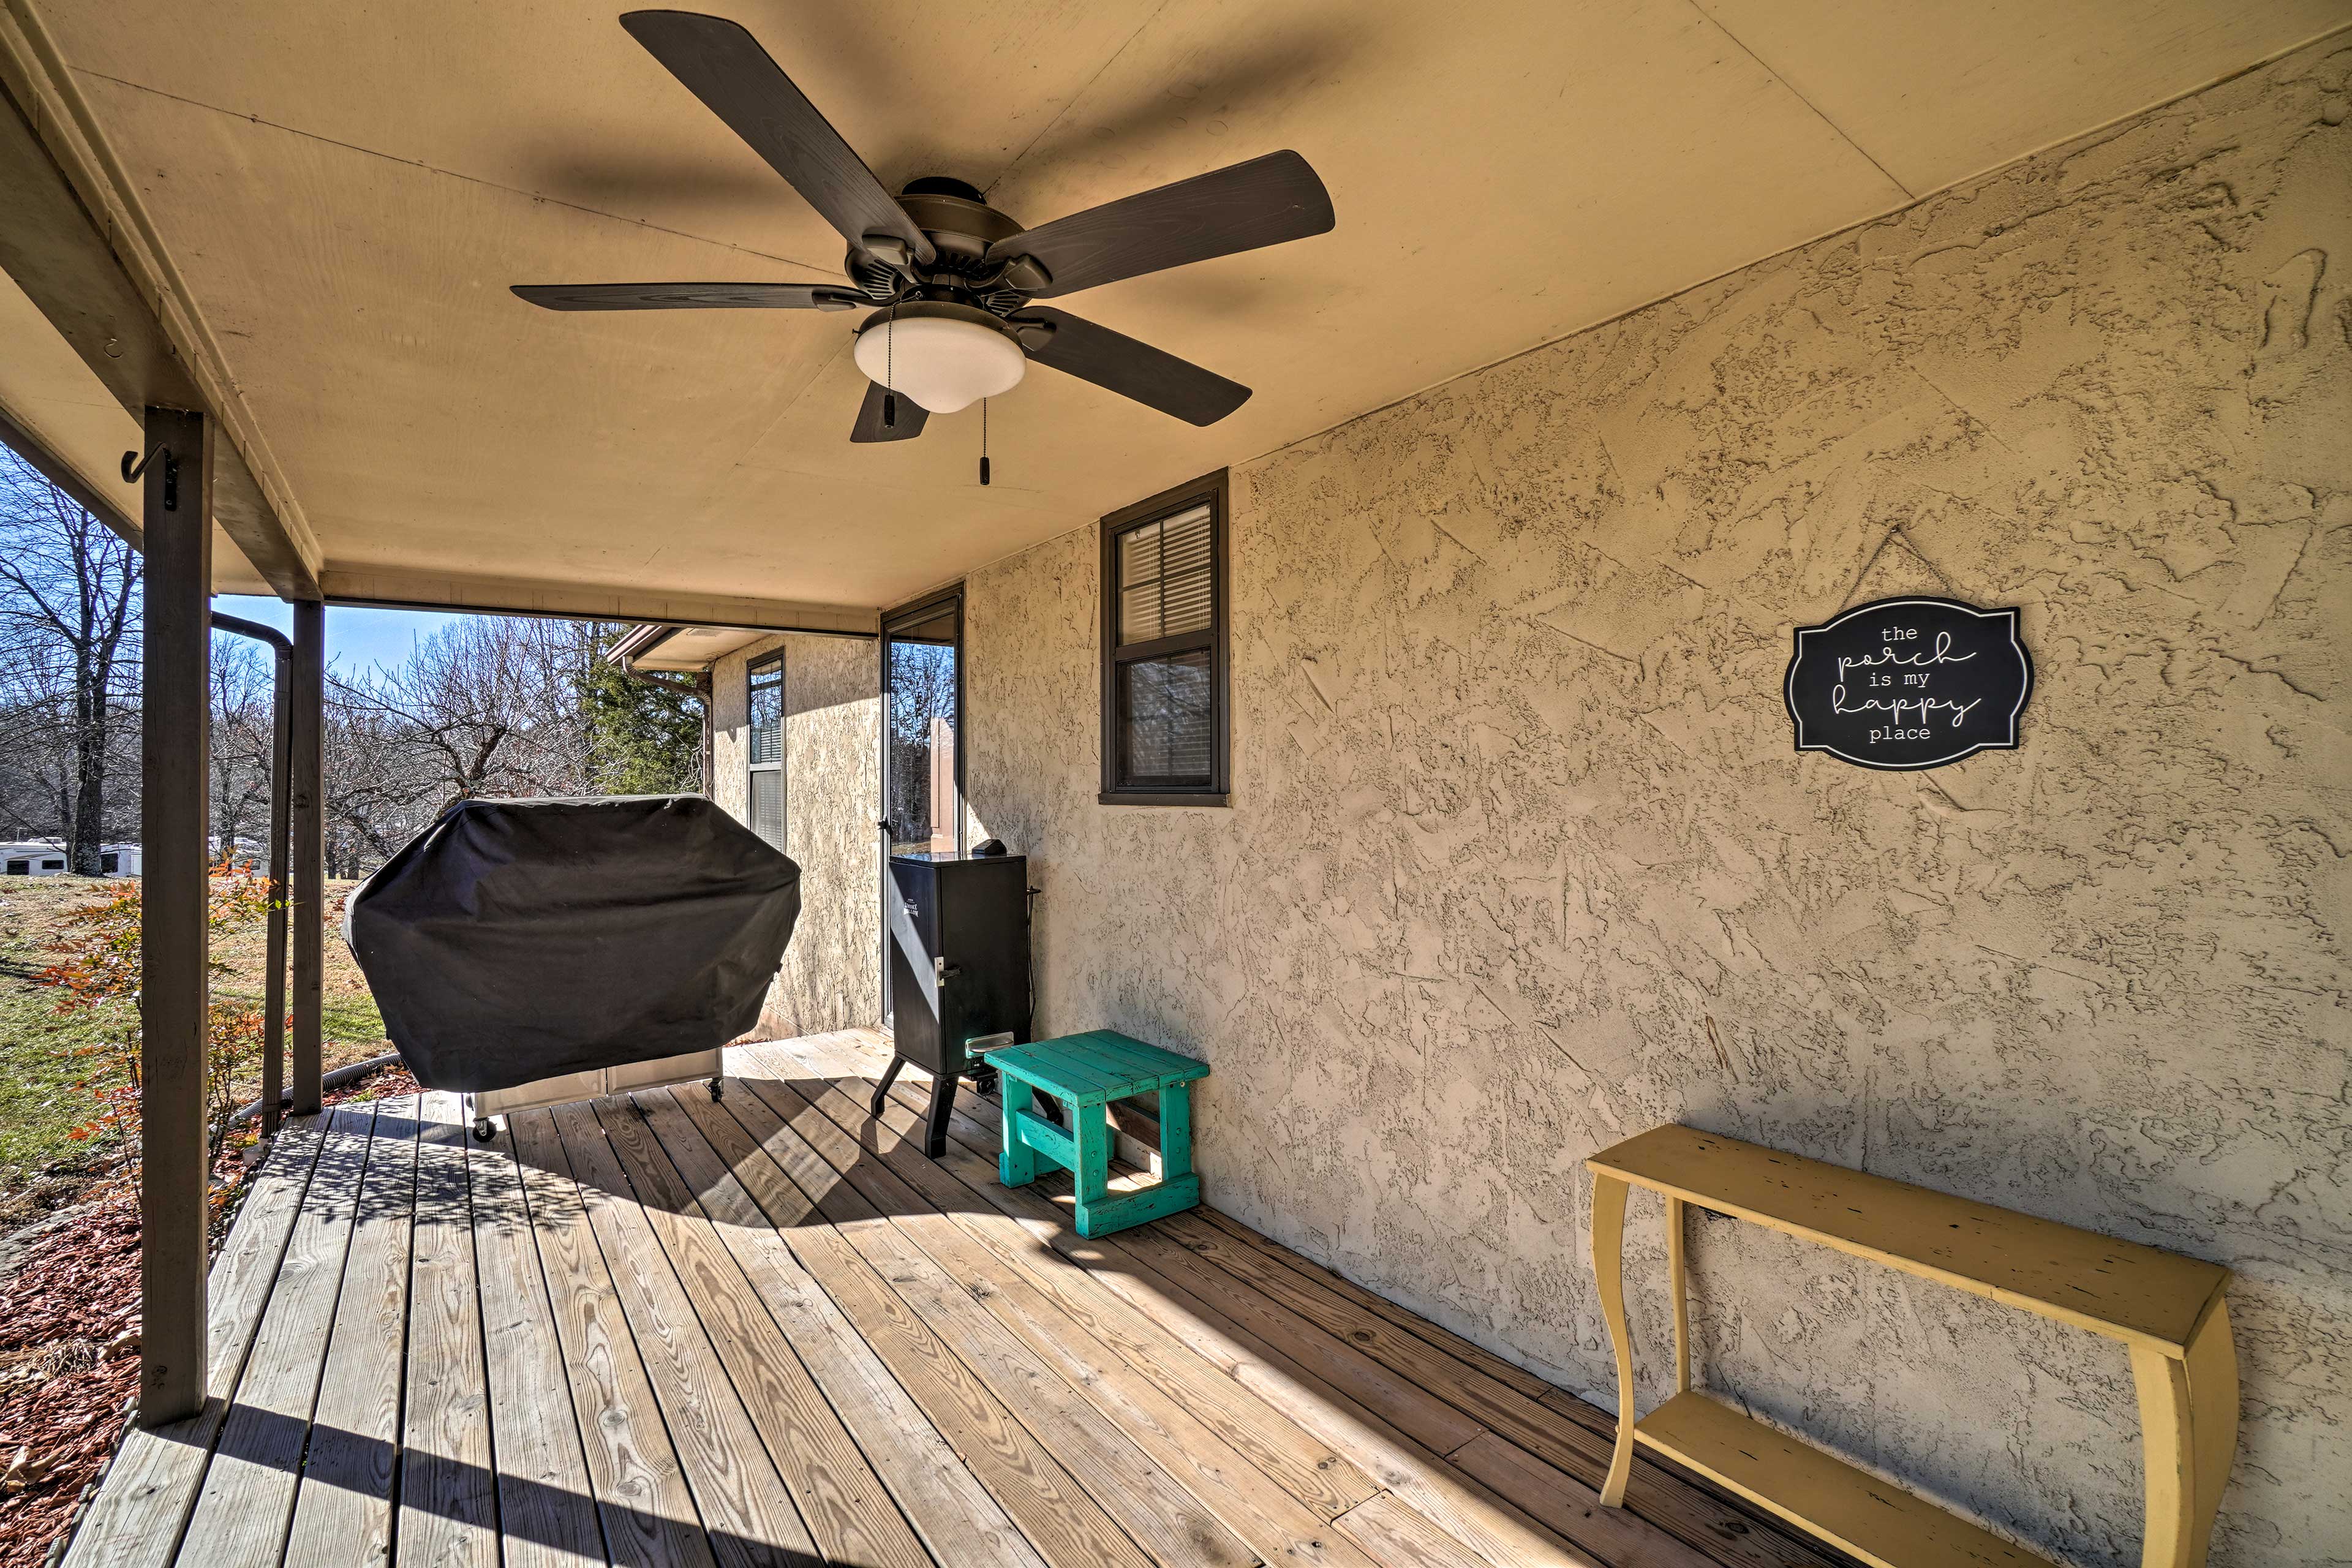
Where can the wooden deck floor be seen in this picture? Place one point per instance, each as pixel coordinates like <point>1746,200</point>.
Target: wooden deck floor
<point>660,1330</point>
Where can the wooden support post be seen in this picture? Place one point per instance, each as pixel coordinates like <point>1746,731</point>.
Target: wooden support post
<point>1609,1274</point>
<point>306,797</point>
<point>175,947</point>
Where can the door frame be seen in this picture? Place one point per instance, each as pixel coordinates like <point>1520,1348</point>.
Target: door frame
<point>920,608</point>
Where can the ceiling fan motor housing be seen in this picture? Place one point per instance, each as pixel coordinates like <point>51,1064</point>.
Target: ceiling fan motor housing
<point>960,227</point>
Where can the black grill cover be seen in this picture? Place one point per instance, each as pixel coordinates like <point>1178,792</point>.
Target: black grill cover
<point>514,940</point>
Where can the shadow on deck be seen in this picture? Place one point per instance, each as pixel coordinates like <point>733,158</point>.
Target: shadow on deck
<point>661,1330</point>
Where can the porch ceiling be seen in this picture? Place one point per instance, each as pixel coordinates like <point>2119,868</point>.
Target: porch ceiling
<point>347,191</point>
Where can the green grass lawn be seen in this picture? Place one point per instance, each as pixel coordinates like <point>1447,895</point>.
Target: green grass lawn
<point>38,1067</point>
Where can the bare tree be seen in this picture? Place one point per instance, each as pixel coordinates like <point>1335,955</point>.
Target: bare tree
<point>375,801</point>
<point>921,700</point>
<point>244,722</point>
<point>68,631</point>
<point>486,706</point>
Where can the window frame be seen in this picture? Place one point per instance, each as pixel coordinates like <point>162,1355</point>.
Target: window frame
<point>773,660</point>
<point>1215,490</point>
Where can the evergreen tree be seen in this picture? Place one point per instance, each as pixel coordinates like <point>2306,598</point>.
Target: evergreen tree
<point>645,731</point>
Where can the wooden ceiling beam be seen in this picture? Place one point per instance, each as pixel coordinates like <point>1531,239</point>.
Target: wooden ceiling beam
<point>67,238</point>
<point>400,588</point>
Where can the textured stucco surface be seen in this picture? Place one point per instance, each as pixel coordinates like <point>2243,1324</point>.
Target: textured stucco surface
<point>833,716</point>
<point>1521,860</point>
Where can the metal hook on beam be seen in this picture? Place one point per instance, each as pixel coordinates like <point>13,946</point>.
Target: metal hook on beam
<point>135,467</point>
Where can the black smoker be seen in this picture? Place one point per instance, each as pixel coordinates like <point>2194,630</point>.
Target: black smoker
<point>957,936</point>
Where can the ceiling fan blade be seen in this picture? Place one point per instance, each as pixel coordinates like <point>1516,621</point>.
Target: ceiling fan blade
<point>906,425</point>
<point>1265,201</point>
<point>1120,364</point>
<point>725,67</point>
<point>690,296</point>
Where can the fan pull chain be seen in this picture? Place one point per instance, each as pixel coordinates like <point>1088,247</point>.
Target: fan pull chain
<point>983,440</point>
<point>889,368</point>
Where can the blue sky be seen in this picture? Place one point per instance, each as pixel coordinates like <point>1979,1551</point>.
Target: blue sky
<point>355,637</point>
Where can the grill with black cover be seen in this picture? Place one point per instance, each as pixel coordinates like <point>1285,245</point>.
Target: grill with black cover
<point>518,939</point>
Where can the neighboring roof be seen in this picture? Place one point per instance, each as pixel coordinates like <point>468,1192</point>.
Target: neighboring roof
<point>337,197</point>
<point>668,648</point>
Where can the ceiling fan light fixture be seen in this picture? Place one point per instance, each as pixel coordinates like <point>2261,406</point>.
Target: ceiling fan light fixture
<point>944,357</point>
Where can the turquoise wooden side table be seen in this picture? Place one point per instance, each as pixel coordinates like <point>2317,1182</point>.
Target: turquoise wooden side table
<point>1086,1073</point>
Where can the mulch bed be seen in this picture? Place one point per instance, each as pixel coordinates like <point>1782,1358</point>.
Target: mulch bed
<point>69,1350</point>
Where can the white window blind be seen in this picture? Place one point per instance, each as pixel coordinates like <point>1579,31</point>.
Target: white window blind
<point>1166,714</point>
<point>768,805</point>
<point>1166,577</point>
<point>764,748</point>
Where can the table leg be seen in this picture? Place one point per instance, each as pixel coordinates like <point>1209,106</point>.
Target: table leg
<point>2188,1436</point>
<point>1090,1140</point>
<point>1609,1274</point>
<point>1016,1162</point>
<point>1175,1132</point>
<point>1676,1281</point>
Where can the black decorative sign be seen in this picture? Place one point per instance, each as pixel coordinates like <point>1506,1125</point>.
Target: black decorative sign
<point>1909,683</point>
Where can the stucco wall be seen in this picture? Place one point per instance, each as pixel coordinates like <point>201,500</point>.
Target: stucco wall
<point>831,978</point>
<point>1521,860</point>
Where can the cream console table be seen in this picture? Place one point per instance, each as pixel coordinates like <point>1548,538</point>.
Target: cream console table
<point>2167,1309</point>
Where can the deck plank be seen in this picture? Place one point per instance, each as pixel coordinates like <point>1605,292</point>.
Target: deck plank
<point>1269,1519</point>
<point>1146,1269</point>
<point>1705,1521</point>
<point>667,1333</point>
<point>648,1511</point>
<point>1404,1538</point>
<point>943,1499</point>
<point>448,1491</point>
<point>150,1486</point>
<point>1569,1507</point>
<point>1305,1467</point>
<point>342,1510</point>
<point>547,1505</point>
<point>1149,1503</point>
<point>1718,1528</point>
<point>846,1508</point>
<point>745,1505</point>
<point>1697,1517</point>
<point>1429,1421</point>
<point>1068,1528</point>
<point>247,1507</point>
<point>1470,1353</point>
<point>1150,1506</point>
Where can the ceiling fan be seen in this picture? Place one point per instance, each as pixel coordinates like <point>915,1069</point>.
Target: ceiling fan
<point>948,281</point>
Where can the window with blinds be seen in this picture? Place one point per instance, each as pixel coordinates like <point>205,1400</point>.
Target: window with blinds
<point>1166,577</point>
<point>1164,724</point>
<point>764,748</point>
